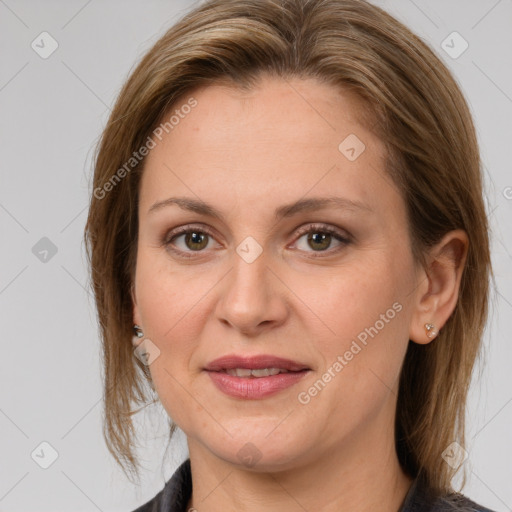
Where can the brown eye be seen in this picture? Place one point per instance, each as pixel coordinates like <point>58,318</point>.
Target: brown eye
<point>319,239</point>
<point>195,240</point>
<point>186,240</point>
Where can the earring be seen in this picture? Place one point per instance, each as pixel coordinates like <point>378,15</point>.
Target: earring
<point>431,330</point>
<point>138,335</point>
<point>145,350</point>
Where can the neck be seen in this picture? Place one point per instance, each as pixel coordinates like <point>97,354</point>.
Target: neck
<point>362,473</point>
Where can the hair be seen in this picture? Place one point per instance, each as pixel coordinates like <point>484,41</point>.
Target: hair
<point>414,105</point>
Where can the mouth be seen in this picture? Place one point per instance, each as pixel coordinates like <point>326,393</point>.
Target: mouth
<point>255,377</point>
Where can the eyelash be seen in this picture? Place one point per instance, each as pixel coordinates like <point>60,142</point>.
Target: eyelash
<point>311,228</point>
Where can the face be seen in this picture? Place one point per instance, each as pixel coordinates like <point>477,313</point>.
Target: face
<point>328,286</point>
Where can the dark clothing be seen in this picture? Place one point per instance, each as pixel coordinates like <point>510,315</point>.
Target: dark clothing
<point>177,491</point>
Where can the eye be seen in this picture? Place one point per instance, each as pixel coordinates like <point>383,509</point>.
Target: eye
<point>193,240</point>
<point>320,237</point>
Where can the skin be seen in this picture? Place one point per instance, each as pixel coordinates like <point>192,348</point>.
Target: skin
<point>247,154</point>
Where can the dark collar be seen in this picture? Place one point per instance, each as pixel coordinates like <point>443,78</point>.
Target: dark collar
<point>175,495</point>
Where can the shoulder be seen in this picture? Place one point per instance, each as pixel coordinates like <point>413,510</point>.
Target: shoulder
<point>457,503</point>
<point>421,499</point>
<point>153,505</point>
<point>175,494</point>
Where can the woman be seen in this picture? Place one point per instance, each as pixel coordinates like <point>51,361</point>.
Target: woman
<point>287,217</point>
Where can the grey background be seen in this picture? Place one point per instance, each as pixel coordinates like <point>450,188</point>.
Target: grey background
<point>52,113</point>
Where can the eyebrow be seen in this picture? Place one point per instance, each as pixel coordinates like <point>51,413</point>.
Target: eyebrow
<point>287,210</point>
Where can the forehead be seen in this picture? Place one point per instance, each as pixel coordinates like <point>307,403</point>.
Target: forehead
<point>281,138</point>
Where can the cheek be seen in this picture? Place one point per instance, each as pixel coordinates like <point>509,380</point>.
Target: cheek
<point>362,351</point>
<point>364,320</point>
<point>169,310</point>
<point>348,300</point>
<point>169,306</point>
<point>168,299</point>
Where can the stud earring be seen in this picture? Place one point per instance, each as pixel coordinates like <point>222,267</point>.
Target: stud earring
<point>145,350</point>
<point>431,330</point>
<point>138,335</point>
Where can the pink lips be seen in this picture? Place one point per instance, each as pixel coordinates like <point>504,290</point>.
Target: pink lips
<point>254,387</point>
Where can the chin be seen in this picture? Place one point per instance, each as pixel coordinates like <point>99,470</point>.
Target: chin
<point>258,452</point>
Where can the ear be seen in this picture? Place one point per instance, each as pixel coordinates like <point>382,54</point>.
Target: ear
<point>438,285</point>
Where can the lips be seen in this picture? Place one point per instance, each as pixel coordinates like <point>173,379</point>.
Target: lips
<point>255,377</point>
<point>259,362</point>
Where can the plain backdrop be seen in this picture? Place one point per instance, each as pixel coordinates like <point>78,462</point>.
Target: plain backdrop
<point>52,112</point>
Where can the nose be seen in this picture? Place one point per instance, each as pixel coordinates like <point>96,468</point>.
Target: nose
<point>252,297</point>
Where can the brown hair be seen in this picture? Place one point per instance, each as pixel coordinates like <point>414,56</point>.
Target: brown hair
<point>415,107</point>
